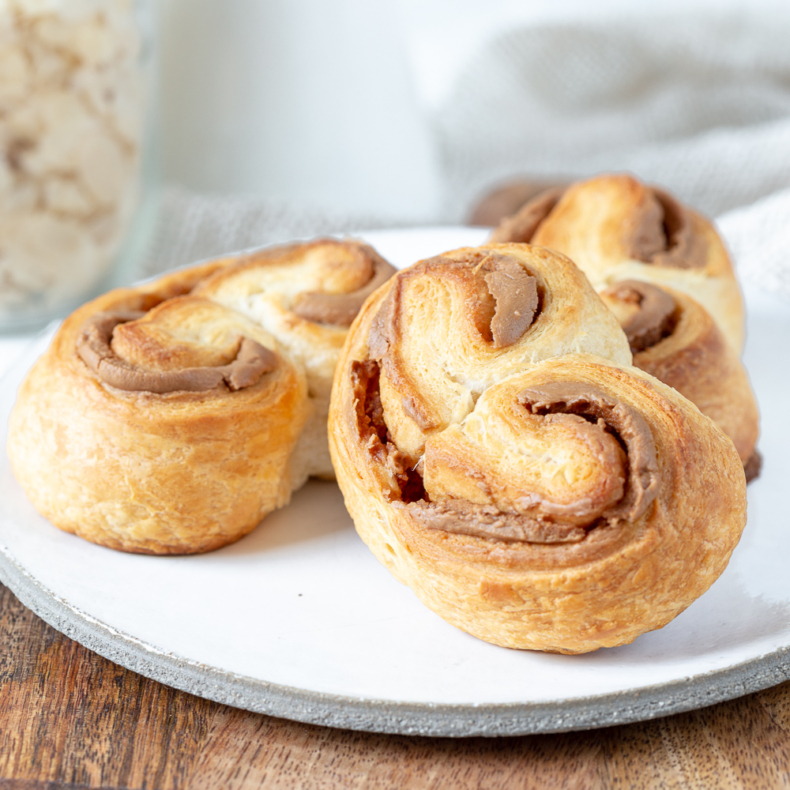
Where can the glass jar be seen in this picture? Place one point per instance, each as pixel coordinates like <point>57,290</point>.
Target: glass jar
<point>76,129</point>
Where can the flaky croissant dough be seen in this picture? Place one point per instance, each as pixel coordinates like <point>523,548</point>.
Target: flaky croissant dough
<point>527,483</point>
<point>172,417</point>
<point>680,344</point>
<point>622,233</point>
<point>614,227</point>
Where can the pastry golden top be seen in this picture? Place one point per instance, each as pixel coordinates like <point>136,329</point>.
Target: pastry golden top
<point>503,458</point>
<point>172,417</point>
<point>502,307</point>
<point>614,228</point>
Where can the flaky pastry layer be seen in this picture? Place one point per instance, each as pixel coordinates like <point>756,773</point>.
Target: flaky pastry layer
<point>172,417</point>
<point>576,503</point>
<point>614,228</point>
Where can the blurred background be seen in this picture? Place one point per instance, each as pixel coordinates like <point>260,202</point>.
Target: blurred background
<point>408,109</point>
<point>343,114</point>
<point>236,123</point>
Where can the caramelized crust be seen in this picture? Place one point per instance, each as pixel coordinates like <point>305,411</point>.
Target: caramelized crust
<point>616,228</point>
<point>695,359</point>
<point>171,418</point>
<point>537,496</point>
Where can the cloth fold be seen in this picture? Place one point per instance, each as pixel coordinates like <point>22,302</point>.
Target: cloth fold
<point>696,101</point>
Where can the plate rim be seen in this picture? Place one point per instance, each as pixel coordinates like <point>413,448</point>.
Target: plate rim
<point>385,716</point>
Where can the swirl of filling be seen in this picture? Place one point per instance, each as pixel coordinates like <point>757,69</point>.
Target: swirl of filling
<point>662,234</point>
<point>656,230</point>
<point>698,362</point>
<point>341,309</point>
<point>459,487</point>
<point>94,348</point>
<point>496,297</point>
<point>646,312</point>
<point>611,416</point>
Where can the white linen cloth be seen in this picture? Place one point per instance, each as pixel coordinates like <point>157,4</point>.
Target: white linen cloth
<point>695,100</point>
<point>698,102</point>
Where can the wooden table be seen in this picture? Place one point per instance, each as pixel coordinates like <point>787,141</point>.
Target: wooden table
<point>71,719</point>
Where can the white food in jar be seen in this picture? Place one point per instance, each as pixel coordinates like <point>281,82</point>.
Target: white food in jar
<point>71,125</point>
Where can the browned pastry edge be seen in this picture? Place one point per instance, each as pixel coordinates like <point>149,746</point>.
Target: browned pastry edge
<point>342,309</point>
<point>675,339</point>
<point>659,232</point>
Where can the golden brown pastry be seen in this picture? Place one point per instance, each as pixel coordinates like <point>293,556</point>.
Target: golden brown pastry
<point>172,417</point>
<point>674,339</point>
<point>500,456</point>
<point>306,295</point>
<point>615,228</point>
<point>622,233</point>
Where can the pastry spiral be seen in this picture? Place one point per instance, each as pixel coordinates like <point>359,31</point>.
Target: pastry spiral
<point>172,417</point>
<point>674,339</point>
<point>528,484</point>
<point>615,228</point>
<point>665,272</point>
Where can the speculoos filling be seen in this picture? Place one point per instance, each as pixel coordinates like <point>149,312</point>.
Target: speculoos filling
<point>94,348</point>
<point>633,467</point>
<point>342,309</point>
<point>655,318</point>
<point>662,234</point>
<point>375,436</point>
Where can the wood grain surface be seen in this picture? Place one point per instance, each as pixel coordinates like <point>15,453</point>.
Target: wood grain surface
<point>70,719</point>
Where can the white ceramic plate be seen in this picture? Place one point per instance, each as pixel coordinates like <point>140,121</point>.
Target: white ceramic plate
<point>299,620</point>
